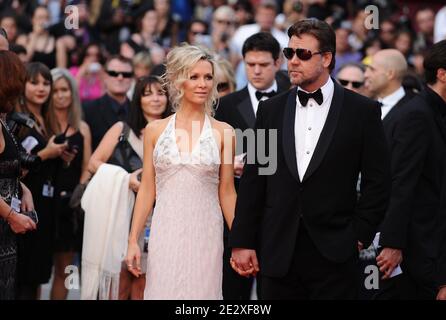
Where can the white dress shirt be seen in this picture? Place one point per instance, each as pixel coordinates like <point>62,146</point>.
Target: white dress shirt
<point>390,101</point>
<point>308,126</point>
<point>252,95</point>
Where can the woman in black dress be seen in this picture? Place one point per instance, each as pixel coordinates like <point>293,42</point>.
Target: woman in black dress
<point>10,187</point>
<point>64,120</point>
<point>35,252</point>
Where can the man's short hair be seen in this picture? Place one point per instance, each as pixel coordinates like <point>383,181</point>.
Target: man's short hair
<point>262,41</point>
<point>434,60</point>
<point>121,59</point>
<point>321,30</point>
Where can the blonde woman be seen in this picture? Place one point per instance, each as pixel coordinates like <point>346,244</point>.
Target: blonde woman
<point>64,120</point>
<point>188,170</point>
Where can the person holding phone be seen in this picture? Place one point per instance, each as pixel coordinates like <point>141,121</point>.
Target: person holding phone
<point>64,120</point>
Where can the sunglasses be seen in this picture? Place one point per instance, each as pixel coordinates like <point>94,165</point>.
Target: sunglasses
<point>222,86</point>
<point>196,32</point>
<point>355,84</point>
<point>302,54</point>
<point>116,74</point>
<point>226,22</point>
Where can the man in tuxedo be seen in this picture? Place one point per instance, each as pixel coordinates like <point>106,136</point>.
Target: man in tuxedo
<point>102,113</point>
<point>416,132</point>
<point>383,80</point>
<point>261,56</point>
<point>304,221</point>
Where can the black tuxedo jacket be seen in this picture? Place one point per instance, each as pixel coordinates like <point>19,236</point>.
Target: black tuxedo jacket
<point>100,116</point>
<point>236,108</point>
<point>416,133</point>
<point>270,207</point>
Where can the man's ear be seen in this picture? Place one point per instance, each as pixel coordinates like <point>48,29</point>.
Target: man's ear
<point>326,59</point>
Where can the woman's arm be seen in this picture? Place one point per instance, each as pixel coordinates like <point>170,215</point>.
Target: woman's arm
<point>85,131</point>
<point>144,200</point>
<point>226,189</point>
<point>105,149</point>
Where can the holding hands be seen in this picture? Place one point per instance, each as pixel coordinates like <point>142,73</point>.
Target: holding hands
<point>244,262</point>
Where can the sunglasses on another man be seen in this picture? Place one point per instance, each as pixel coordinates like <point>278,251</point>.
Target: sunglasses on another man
<point>116,74</point>
<point>355,84</point>
<point>222,86</point>
<point>302,54</point>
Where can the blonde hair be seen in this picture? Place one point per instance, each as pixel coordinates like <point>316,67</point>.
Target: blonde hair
<point>74,111</point>
<point>225,68</point>
<point>180,62</point>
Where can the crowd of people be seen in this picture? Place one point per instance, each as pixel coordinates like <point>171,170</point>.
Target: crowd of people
<point>101,166</point>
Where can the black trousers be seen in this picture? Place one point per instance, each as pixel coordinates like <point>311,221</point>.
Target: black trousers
<point>311,276</point>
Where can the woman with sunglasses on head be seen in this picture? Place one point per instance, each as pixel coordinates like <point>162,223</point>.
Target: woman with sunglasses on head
<point>14,196</point>
<point>35,259</point>
<point>64,120</point>
<point>149,103</point>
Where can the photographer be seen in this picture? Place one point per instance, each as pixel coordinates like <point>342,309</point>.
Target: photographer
<point>11,190</point>
<point>35,253</point>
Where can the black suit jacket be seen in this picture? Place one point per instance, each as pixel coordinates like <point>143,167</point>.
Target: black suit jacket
<point>236,109</point>
<point>101,114</point>
<point>270,207</point>
<point>417,139</point>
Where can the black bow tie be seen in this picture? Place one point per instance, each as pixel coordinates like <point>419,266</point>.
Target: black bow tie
<point>304,97</point>
<point>260,94</point>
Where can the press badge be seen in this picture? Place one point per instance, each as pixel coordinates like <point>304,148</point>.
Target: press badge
<point>48,190</point>
<point>15,204</point>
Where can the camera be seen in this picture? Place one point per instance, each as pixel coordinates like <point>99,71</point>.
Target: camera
<point>16,121</point>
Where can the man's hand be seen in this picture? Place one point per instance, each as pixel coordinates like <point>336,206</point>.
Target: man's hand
<point>388,260</point>
<point>244,262</point>
<point>360,246</point>
<point>134,183</point>
<point>239,163</point>
<point>442,293</point>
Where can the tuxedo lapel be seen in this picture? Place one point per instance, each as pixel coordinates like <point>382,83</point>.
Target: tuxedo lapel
<point>289,145</point>
<point>245,108</point>
<point>327,131</point>
<point>387,119</point>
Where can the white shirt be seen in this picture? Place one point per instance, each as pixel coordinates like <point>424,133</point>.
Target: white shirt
<point>308,126</point>
<point>252,95</point>
<point>390,101</point>
<point>440,25</point>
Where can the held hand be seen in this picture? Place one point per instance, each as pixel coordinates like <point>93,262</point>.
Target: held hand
<point>360,246</point>
<point>20,223</point>
<point>133,259</point>
<point>134,183</point>
<point>442,293</point>
<point>388,260</point>
<point>244,262</point>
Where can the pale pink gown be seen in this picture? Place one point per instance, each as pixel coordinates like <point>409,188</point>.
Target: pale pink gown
<point>185,251</point>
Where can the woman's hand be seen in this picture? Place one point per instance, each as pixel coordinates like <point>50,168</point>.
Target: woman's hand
<point>134,183</point>
<point>53,150</point>
<point>68,155</point>
<point>27,200</point>
<point>133,259</point>
<point>20,223</point>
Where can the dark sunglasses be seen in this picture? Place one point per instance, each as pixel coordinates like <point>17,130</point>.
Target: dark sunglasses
<point>116,74</point>
<point>222,86</point>
<point>195,33</point>
<point>355,84</point>
<point>302,54</point>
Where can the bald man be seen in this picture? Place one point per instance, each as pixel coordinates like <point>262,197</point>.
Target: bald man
<point>407,234</point>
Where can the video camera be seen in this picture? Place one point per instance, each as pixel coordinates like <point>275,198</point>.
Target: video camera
<point>16,121</point>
